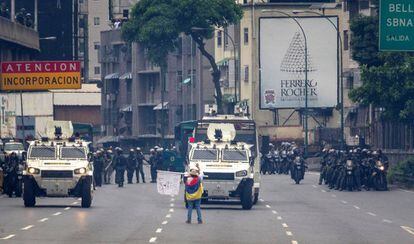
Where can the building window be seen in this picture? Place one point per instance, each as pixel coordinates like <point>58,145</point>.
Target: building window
<point>219,38</point>
<point>246,36</point>
<point>96,20</point>
<point>125,13</point>
<point>192,76</point>
<point>179,80</point>
<point>97,70</point>
<point>346,40</point>
<point>364,5</point>
<point>96,45</point>
<point>350,82</point>
<point>246,73</point>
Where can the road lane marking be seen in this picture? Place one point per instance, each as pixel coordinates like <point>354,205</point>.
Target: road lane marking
<point>172,205</point>
<point>333,195</point>
<point>158,230</point>
<point>267,206</point>
<point>43,220</point>
<point>285,225</point>
<point>279,217</point>
<point>153,239</point>
<point>408,229</point>
<point>274,212</point>
<point>387,221</point>
<point>8,237</point>
<point>356,207</point>
<point>323,191</point>
<point>288,233</point>
<point>57,213</point>
<point>165,222</point>
<point>79,199</point>
<point>294,242</point>
<point>27,227</point>
<point>372,214</point>
<point>344,202</point>
<point>314,186</point>
<point>74,203</point>
<point>406,191</point>
<point>261,200</point>
<point>172,200</point>
<point>168,216</point>
<point>171,210</point>
<point>67,208</point>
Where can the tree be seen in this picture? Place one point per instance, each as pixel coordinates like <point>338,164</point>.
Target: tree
<point>157,24</point>
<point>388,77</point>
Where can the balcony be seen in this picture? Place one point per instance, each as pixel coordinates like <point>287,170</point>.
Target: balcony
<point>16,33</point>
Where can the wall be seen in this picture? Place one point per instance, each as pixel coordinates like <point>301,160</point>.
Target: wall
<point>78,114</point>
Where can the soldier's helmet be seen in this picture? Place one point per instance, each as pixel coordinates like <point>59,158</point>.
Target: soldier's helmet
<point>138,149</point>
<point>131,150</point>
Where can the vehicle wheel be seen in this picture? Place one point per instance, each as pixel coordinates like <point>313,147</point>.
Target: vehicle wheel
<point>86,194</point>
<point>247,195</point>
<point>256,198</point>
<point>29,197</point>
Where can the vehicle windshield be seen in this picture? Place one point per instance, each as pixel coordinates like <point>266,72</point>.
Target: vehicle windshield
<point>72,153</point>
<point>234,155</point>
<point>205,154</point>
<point>44,152</point>
<point>13,146</point>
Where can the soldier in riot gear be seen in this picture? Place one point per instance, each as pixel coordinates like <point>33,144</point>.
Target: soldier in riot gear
<point>108,164</point>
<point>140,165</point>
<point>153,163</point>
<point>132,164</point>
<point>98,167</point>
<point>120,164</point>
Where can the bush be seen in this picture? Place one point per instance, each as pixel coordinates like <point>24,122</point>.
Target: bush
<point>403,173</point>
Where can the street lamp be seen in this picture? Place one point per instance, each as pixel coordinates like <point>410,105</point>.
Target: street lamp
<point>341,69</point>
<point>306,73</point>
<point>236,57</point>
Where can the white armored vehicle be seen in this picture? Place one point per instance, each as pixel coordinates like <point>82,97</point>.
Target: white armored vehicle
<point>225,148</point>
<point>58,166</point>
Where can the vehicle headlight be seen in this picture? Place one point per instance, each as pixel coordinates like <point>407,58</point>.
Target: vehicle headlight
<point>80,171</point>
<point>33,171</point>
<point>241,173</point>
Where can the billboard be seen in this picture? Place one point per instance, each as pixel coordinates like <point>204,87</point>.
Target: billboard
<point>282,62</point>
<point>40,75</point>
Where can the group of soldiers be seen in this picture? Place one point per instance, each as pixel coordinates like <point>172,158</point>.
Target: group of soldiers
<point>354,169</point>
<point>106,161</point>
<point>10,170</point>
<point>279,160</point>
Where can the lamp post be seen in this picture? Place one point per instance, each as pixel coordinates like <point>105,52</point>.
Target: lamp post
<point>236,58</point>
<point>306,73</point>
<point>341,70</point>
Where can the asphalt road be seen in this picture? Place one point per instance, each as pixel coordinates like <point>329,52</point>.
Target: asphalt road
<point>286,213</point>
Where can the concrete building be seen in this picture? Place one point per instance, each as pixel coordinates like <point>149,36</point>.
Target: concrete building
<point>98,20</point>
<point>78,106</point>
<point>131,92</point>
<point>284,124</point>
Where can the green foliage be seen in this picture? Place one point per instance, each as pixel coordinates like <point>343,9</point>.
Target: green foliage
<point>402,173</point>
<point>364,41</point>
<point>157,24</point>
<point>388,77</point>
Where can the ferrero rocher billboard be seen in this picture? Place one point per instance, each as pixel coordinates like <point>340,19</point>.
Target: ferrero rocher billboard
<point>40,75</point>
<point>283,65</point>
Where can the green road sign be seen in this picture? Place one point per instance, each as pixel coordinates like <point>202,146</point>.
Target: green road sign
<point>396,25</point>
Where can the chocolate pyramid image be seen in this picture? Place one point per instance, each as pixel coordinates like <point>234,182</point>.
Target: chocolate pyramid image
<point>294,59</point>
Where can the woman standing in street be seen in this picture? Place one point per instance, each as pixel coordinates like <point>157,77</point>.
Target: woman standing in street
<point>193,192</point>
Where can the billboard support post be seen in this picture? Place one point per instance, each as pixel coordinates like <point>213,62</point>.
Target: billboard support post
<point>306,75</point>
